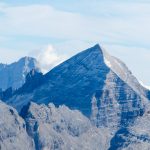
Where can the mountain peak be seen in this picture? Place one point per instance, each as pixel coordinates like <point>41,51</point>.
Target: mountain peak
<point>98,52</point>
<point>76,80</point>
<point>19,70</point>
<point>95,48</point>
<point>93,82</point>
<point>27,58</point>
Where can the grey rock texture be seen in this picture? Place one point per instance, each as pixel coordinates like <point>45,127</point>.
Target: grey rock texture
<point>13,135</point>
<point>98,85</point>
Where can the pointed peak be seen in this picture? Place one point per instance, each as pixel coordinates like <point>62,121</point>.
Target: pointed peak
<point>96,49</point>
<point>97,45</point>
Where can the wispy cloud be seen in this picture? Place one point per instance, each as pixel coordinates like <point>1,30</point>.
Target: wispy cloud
<point>48,58</point>
<point>115,21</point>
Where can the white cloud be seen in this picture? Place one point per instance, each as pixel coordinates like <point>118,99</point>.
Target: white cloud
<point>39,20</point>
<point>48,58</point>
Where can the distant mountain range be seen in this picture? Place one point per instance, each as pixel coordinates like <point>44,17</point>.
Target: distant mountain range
<point>13,75</point>
<point>96,84</point>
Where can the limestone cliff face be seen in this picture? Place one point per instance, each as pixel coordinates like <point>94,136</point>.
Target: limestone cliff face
<point>13,133</point>
<point>62,129</point>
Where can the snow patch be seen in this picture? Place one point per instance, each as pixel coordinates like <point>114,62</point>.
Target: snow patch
<point>107,62</point>
<point>147,87</point>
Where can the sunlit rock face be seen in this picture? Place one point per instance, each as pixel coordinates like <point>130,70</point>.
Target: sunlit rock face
<point>13,133</point>
<point>49,127</point>
<point>62,129</point>
<point>136,136</point>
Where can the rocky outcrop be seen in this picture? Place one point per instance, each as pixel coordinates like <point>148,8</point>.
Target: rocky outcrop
<point>13,133</point>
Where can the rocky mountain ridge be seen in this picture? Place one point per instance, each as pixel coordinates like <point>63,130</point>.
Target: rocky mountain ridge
<point>96,88</point>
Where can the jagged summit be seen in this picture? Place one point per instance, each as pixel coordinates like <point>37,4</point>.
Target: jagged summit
<point>62,128</point>
<point>89,59</point>
<point>33,79</point>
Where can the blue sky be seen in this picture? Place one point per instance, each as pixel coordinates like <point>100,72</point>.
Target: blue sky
<point>58,29</point>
